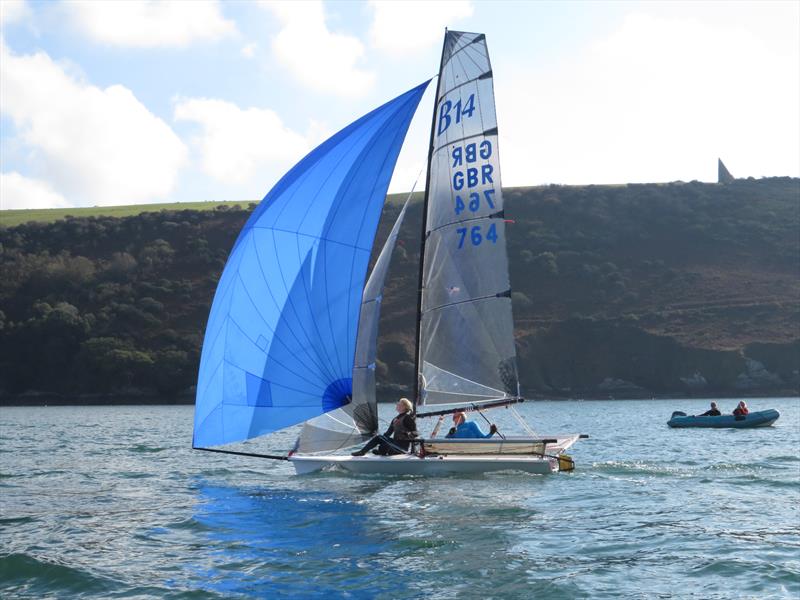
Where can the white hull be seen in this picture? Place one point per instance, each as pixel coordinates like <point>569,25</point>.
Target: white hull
<point>404,464</point>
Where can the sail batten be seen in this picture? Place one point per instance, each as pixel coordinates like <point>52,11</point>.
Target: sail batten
<point>281,336</point>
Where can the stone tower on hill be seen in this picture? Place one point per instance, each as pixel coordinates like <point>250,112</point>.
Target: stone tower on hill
<point>723,175</point>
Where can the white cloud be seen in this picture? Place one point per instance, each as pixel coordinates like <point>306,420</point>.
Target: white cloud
<point>658,99</point>
<point>17,191</point>
<point>12,11</point>
<point>96,146</point>
<point>317,132</point>
<point>316,57</point>
<point>148,24</point>
<point>402,27</point>
<point>236,144</point>
<point>249,51</point>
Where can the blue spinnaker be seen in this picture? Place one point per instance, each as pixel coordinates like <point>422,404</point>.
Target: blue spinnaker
<point>280,340</point>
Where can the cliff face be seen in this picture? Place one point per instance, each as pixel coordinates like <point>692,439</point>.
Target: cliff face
<point>623,291</point>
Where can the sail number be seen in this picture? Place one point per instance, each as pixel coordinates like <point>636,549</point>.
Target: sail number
<point>472,176</point>
<point>458,111</point>
<point>476,236</point>
<point>475,201</point>
<point>471,153</point>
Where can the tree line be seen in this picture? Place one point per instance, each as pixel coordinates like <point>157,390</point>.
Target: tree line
<point>105,305</point>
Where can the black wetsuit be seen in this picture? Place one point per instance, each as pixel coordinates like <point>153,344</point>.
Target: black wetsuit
<point>714,412</point>
<point>396,439</point>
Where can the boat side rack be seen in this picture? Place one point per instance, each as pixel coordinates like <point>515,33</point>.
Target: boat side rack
<point>467,446</point>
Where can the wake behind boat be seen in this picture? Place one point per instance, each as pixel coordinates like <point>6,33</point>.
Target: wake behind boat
<point>292,333</point>
<point>762,418</point>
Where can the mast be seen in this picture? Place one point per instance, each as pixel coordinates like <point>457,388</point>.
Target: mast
<point>417,370</point>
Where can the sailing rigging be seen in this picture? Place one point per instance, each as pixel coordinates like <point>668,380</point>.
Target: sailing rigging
<point>292,333</point>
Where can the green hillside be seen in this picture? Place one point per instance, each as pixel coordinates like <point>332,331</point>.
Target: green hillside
<point>636,290</point>
<point>10,218</point>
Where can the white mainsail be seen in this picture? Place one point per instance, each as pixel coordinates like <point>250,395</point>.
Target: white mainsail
<point>466,348</point>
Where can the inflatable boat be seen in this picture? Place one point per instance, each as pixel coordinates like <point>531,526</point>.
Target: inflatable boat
<point>762,418</point>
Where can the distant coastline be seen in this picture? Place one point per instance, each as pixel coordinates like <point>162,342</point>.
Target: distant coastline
<point>50,399</point>
<point>670,290</point>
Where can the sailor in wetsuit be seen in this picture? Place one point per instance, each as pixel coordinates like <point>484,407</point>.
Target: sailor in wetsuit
<point>397,438</point>
<point>712,412</point>
<point>467,429</point>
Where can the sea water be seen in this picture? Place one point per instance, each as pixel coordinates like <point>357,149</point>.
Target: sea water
<point>111,502</point>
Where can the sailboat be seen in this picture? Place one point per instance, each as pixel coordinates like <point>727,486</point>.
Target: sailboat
<point>292,333</point>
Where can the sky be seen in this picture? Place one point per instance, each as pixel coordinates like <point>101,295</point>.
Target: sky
<point>129,102</point>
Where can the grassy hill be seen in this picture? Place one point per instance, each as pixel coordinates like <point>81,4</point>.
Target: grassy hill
<point>10,218</point>
<point>634,290</point>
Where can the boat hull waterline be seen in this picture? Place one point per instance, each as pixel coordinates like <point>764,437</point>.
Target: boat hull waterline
<point>405,464</point>
<point>762,418</point>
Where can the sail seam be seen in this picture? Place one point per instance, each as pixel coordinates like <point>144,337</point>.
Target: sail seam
<point>219,332</point>
<point>290,303</point>
<point>365,133</point>
<point>486,133</point>
<point>213,373</point>
<point>325,361</point>
<point>311,235</point>
<point>318,367</point>
<point>462,84</point>
<point>239,327</point>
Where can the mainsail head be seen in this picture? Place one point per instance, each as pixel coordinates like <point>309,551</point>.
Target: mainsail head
<point>466,337</point>
<point>280,340</point>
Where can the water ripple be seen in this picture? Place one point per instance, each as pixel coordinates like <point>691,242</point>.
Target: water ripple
<point>110,502</point>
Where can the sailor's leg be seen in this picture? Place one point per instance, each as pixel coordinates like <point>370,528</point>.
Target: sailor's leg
<point>397,447</point>
<point>384,446</point>
<point>369,445</point>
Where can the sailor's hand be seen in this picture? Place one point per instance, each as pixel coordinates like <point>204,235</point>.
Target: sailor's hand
<point>452,431</point>
<point>493,428</point>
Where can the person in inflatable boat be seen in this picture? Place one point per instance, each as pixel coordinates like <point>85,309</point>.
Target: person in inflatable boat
<point>712,412</point>
<point>741,410</point>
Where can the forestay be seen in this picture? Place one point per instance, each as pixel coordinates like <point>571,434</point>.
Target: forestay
<point>358,421</point>
<point>280,341</point>
<point>466,346</point>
